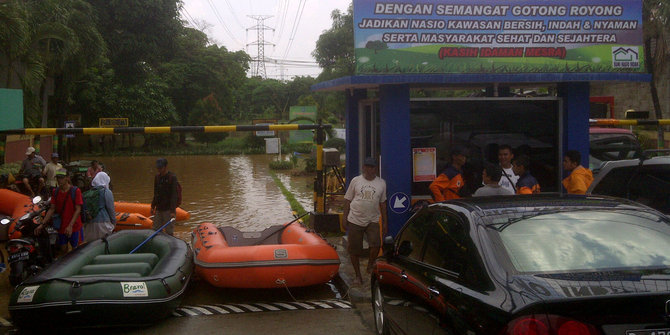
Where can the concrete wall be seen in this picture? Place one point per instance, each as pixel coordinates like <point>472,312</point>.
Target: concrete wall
<point>635,95</point>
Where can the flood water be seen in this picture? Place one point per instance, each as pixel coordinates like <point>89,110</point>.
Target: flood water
<point>229,190</point>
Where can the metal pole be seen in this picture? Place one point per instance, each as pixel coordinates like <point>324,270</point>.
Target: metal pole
<point>319,203</point>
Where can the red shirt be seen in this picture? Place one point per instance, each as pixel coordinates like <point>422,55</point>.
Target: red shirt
<point>68,210</point>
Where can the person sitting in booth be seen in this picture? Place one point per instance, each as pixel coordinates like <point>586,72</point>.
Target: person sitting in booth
<point>450,181</point>
<point>527,184</point>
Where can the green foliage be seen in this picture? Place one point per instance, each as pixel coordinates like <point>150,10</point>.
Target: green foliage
<point>295,205</point>
<point>253,141</point>
<point>12,168</point>
<point>281,165</point>
<point>303,148</point>
<point>376,45</point>
<point>310,164</point>
<point>207,112</point>
<point>337,143</point>
<point>335,47</point>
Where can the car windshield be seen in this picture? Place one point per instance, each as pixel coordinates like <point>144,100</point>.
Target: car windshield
<point>585,240</point>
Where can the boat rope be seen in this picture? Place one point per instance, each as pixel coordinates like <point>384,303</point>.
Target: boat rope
<point>287,290</point>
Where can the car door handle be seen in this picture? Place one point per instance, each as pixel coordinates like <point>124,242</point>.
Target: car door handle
<point>434,291</point>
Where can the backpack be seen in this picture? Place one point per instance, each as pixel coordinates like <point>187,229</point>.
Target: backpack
<point>73,195</point>
<point>91,203</point>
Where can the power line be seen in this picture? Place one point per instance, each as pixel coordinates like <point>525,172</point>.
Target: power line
<point>296,23</point>
<point>218,17</point>
<point>189,18</point>
<point>232,11</point>
<point>283,18</point>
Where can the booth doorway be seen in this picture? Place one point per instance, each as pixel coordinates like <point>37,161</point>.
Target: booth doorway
<point>368,118</point>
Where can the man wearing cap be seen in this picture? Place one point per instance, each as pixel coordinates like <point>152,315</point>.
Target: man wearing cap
<point>50,171</point>
<point>66,202</point>
<point>164,203</point>
<point>31,168</point>
<point>450,181</point>
<point>364,204</point>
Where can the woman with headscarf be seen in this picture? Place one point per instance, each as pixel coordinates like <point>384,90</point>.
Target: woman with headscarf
<point>105,220</point>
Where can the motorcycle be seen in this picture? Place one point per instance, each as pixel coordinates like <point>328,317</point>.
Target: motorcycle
<point>30,254</point>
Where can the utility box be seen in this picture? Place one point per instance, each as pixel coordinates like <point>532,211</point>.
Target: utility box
<point>272,145</point>
<point>331,157</point>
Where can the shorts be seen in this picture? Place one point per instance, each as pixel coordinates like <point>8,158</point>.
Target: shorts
<point>355,233</point>
<point>74,239</point>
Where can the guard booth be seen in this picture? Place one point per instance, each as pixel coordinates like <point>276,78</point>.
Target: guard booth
<point>530,64</point>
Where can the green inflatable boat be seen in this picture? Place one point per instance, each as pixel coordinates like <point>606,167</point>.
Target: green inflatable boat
<point>100,284</point>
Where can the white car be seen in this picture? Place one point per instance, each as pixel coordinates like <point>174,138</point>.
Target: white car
<point>646,181</point>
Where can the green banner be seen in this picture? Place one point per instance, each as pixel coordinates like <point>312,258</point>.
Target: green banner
<point>302,115</point>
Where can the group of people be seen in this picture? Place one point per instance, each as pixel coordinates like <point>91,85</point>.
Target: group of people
<point>66,203</point>
<point>510,176</point>
<point>365,198</point>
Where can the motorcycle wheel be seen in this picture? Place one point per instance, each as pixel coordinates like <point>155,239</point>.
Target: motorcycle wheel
<point>17,273</point>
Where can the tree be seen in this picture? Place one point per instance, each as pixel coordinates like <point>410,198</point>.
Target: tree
<point>376,45</point>
<point>335,47</point>
<point>140,34</point>
<point>656,16</point>
<point>207,112</point>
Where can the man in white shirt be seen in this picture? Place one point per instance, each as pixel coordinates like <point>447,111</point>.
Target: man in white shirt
<point>508,179</point>
<point>365,203</point>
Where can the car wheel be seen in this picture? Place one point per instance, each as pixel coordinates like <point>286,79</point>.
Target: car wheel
<point>378,309</point>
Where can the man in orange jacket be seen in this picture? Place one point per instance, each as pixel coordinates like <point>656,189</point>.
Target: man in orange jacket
<point>450,181</point>
<point>580,178</point>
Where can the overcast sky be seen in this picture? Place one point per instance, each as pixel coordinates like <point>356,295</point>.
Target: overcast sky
<point>297,25</point>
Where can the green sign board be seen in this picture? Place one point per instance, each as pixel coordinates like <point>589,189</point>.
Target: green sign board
<point>305,115</point>
<point>11,109</point>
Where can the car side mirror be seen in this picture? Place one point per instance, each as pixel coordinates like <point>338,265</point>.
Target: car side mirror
<point>387,245</point>
<point>405,248</point>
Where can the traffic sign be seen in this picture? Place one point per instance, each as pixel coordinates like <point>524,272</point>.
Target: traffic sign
<point>69,124</point>
<point>399,203</point>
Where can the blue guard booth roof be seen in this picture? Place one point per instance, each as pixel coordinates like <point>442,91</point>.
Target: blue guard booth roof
<point>373,81</point>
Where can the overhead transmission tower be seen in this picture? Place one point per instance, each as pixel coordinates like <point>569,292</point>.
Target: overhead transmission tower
<point>260,27</point>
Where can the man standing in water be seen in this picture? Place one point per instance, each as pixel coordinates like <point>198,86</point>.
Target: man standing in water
<point>164,204</point>
<point>364,203</point>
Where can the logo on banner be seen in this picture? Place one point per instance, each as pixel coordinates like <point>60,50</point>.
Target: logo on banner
<point>625,57</point>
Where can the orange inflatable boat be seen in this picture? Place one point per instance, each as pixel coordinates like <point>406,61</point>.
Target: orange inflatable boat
<point>145,209</point>
<point>275,257</point>
<point>12,204</point>
<point>126,221</point>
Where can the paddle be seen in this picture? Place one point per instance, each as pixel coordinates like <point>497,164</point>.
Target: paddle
<point>282,228</point>
<point>152,235</point>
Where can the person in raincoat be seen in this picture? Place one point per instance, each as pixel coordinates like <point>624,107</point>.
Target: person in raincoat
<point>103,223</point>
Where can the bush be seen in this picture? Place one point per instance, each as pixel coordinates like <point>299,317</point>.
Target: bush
<point>310,164</point>
<point>253,141</point>
<point>336,143</point>
<point>281,165</point>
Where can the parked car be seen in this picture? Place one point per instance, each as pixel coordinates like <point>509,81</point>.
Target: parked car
<point>610,144</point>
<point>646,181</point>
<point>545,264</point>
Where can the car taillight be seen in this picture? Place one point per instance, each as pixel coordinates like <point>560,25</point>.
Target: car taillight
<point>13,248</point>
<point>549,325</point>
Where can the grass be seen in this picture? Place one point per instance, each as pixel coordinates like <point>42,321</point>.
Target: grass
<point>295,205</point>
